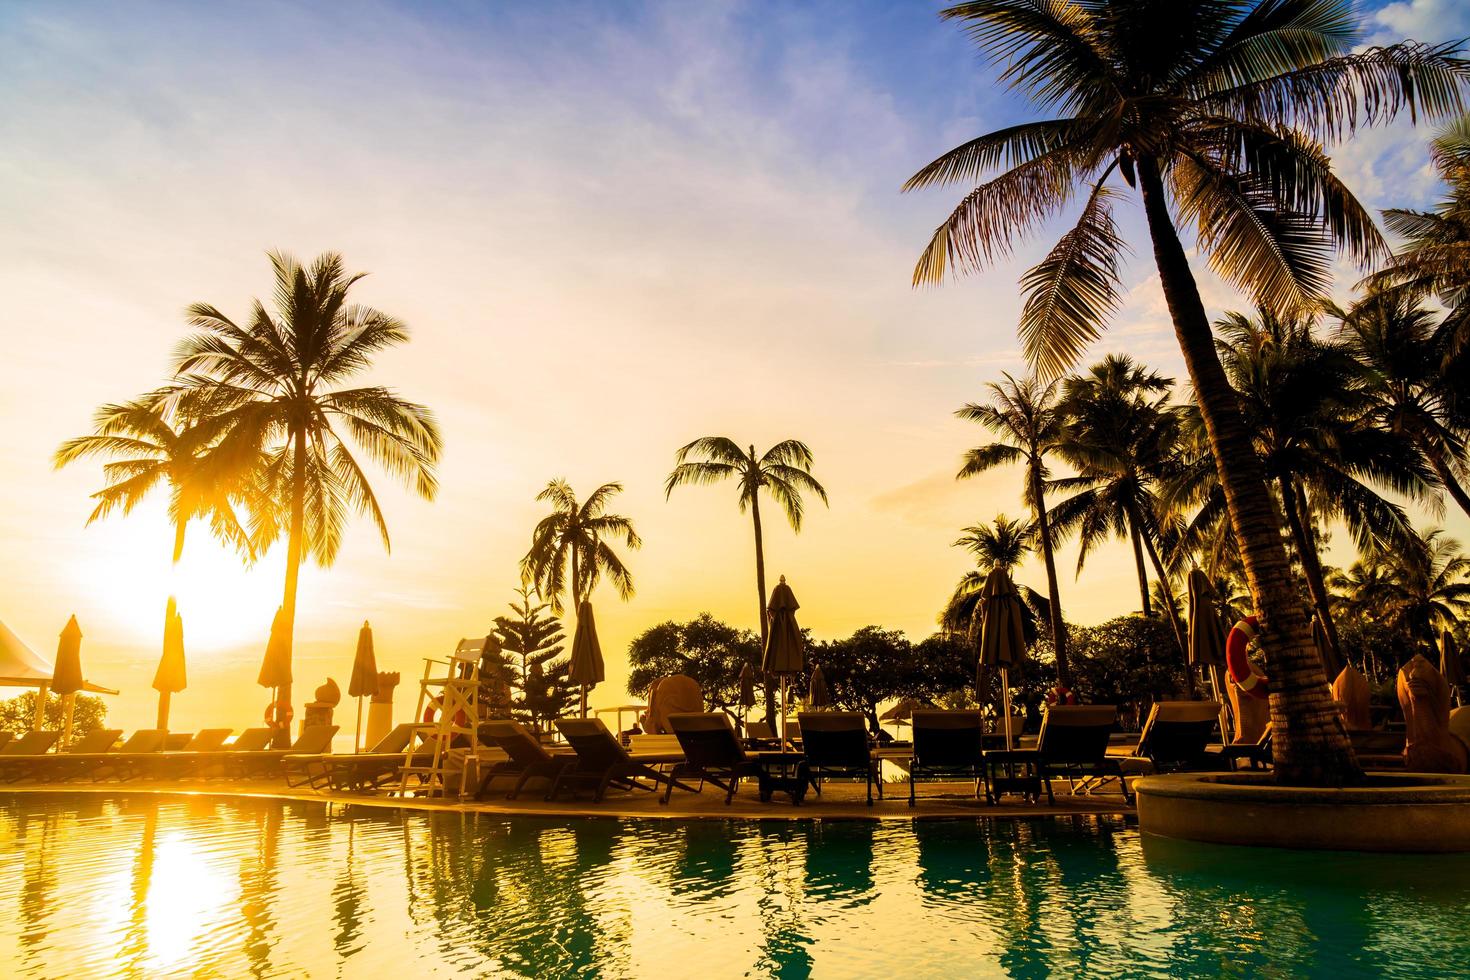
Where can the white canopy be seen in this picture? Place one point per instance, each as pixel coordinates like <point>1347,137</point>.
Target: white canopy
<point>20,666</point>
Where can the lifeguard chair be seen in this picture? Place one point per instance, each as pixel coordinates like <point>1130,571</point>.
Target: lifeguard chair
<point>448,707</point>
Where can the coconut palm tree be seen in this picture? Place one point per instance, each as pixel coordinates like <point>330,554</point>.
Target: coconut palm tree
<point>148,448</point>
<point>574,537</point>
<point>1420,588</point>
<point>1025,417</point>
<point>1003,544</point>
<point>784,471</point>
<point>274,386</point>
<point>1214,111</point>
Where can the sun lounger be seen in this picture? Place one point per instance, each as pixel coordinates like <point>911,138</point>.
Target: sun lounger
<point>1256,754</point>
<point>314,740</point>
<point>947,743</point>
<point>1073,745</point>
<point>61,765</point>
<point>175,763</point>
<point>602,762</point>
<point>354,771</point>
<point>711,751</point>
<point>31,743</point>
<point>5,738</point>
<point>527,758</point>
<point>836,744</point>
<point>129,759</point>
<point>758,733</point>
<point>1175,739</point>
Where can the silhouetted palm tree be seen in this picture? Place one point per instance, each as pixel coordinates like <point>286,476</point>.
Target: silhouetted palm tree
<point>273,385</point>
<point>147,449</point>
<point>1420,588</point>
<point>1214,111</point>
<point>783,471</point>
<point>1003,544</point>
<point>1024,415</point>
<point>573,537</point>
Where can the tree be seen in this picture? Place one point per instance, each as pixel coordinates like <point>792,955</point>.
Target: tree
<point>1003,544</point>
<point>532,643</point>
<point>274,388</point>
<point>146,449</point>
<point>1214,111</point>
<point>574,535</point>
<point>784,471</point>
<point>1420,588</point>
<point>1130,661</point>
<point>1025,417</point>
<point>709,651</point>
<point>17,714</point>
<point>870,667</point>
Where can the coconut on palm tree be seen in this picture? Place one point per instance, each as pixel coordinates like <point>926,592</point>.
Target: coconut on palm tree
<point>1216,112</point>
<point>1024,416</point>
<point>570,549</point>
<point>783,471</point>
<point>276,385</point>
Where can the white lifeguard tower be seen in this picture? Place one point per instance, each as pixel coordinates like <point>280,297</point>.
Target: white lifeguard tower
<point>448,706</point>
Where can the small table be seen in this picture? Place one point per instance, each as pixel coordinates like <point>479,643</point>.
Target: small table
<point>783,772</point>
<point>1012,771</point>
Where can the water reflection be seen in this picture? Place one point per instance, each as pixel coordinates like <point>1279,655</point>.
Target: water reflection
<point>135,887</point>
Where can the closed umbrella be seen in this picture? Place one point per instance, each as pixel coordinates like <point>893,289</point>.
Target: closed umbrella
<point>66,678</point>
<point>747,692</point>
<point>1330,666</point>
<point>817,695</point>
<point>1002,642</point>
<point>1207,639</point>
<point>1451,666</point>
<point>170,677</point>
<point>785,650</point>
<point>364,682</point>
<point>586,668</point>
<point>275,672</point>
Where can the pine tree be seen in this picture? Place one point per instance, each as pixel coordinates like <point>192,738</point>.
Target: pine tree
<point>532,642</point>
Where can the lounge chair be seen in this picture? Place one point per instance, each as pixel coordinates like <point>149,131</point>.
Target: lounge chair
<point>835,743</point>
<point>354,771</point>
<point>31,743</point>
<point>61,765</point>
<point>1073,745</point>
<point>131,758</point>
<point>947,743</point>
<point>1255,754</point>
<point>759,733</point>
<point>175,763</point>
<point>1175,738</point>
<point>528,758</point>
<point>602,762</point>
<point>711,751</point>
<point>5,738</point>
<point>314,740</point>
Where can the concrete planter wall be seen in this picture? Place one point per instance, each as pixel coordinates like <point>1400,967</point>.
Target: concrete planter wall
<point>1394,812</point>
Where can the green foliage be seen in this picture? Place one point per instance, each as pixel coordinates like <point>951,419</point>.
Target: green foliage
<point>1130,661</point>
<point>531,661</point>
<point>16,714</point>
<point>705,649</point>
<point>575,535</point>
<point>870,667</point>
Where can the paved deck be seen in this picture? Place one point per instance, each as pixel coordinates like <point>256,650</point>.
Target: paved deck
<point>839,801</point>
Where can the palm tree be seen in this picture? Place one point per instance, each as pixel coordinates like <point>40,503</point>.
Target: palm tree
<point>1003,544</point>
<point>1025,417</point>
<point>573,536</point>
<point>1421,588</point>
<point>784,471</point>
<point>273,387</point>
<point>1214,111</point>
<point>147,449</point>
<point>1399,356</point>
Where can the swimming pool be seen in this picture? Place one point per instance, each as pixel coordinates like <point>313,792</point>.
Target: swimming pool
<point>145,886</point>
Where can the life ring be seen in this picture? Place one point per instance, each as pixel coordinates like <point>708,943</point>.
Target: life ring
<point>435,704</point>
<point>1244,674</point>
<point>278,714</point>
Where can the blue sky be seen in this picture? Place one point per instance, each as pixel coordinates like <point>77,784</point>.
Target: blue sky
<point>611,227</point>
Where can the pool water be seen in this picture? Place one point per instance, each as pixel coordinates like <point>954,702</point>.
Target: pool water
<point>148,887</point>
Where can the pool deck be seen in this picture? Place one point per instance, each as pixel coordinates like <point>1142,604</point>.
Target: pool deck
<point>839,801</point>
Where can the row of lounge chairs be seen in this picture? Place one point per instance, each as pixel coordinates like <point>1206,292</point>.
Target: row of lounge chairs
<point>152,753</point>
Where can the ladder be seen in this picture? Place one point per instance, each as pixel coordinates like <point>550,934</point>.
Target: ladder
<point>448,706</point>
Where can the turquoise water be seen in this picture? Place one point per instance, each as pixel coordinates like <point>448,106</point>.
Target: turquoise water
<point>137,886</point>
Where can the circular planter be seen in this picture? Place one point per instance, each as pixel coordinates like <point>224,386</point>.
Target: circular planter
<point>1391,812</point>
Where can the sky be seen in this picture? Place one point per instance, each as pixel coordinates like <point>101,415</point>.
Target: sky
<point>611,229</point>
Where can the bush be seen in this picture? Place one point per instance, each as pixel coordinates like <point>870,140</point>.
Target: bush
<point>17,713</point>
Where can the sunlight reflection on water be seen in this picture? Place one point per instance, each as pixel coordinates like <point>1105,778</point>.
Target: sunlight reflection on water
<point>135,886</point>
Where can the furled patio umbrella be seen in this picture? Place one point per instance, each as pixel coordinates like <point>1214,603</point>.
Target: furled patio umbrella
<point>1002,643</point>
<point>785,650</point>
<point>1451,666</point>
<point>364,681</point>
<point>1207,640</point>
<point>586,668</point>
<point>817,695</point>
<point>747,693</point>
<point>66,678</point>
<point>170,678</point>
<point>275,672</point>
<point>1330,666</point>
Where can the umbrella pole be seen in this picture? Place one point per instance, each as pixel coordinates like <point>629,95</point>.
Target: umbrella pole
<point>69,704</point>
<point>39,721</point>
<point>357,735</point>
<point>783,711</point>
<point>584,700</point>
<point>1214,673</point>
<point>163,701</point>
<point>1005,698</point>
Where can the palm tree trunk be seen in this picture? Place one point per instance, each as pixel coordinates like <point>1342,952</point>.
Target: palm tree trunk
<point>1308,740</point>
<point>1147,607</point>
<point>1442,470</point>
<point>1179,637</point>
<point>1306,547</point>
<point>577,613</point>
<point>294,548</point>
<point>760,587</point>
<point>1053,595</point>
<point>179,540</point>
